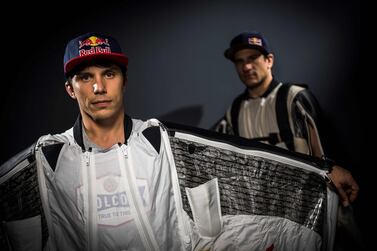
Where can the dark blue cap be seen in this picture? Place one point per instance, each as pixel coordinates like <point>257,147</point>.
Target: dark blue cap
<point>92,46</point>
<point>252,40</point>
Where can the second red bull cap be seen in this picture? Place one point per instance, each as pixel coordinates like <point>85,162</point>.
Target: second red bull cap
<point>92,46</point>
<point>252,40</point>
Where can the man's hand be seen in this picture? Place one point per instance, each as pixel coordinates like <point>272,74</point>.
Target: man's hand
<point>345,184</point>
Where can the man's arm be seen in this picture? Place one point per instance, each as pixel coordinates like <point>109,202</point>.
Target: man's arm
<point>341,178</point>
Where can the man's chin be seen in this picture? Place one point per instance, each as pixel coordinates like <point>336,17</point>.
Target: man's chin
<point>102,115</point>
<point>252,84</point>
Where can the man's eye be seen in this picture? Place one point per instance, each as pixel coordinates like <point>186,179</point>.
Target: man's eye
<point>84,77</point>
<point>110,74</point>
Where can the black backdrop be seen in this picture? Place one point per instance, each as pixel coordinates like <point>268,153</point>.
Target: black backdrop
<point>177,71</point>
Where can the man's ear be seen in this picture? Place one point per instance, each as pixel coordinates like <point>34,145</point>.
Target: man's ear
<point>270,58</point>
<point>69,89</point>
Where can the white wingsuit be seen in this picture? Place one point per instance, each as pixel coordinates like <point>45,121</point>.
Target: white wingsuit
<point>128,197</point>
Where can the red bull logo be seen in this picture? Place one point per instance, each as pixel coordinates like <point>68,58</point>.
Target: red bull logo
<point>94,50</point>
<point>255,40</point>
<point>93,41</point>
<point>98,45</point>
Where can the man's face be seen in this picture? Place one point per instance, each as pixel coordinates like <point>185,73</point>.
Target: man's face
<point>99,91</point>
<point>252,66</point>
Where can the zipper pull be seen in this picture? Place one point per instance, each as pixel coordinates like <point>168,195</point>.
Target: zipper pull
<point>87,156</point>
<point>328,164</point>
<point>124,149</point>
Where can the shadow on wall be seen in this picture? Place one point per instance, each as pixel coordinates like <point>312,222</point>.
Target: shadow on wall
<point>190,115</point>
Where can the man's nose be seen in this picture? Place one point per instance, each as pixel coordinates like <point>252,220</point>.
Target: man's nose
<point>247,66</point>
<point>99,87</point>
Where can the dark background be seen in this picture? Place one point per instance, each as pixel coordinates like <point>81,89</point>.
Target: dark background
<point>177,71</point>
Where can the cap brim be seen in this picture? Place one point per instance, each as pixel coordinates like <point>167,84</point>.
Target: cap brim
<point>120,59</point>
<point>229,53</point>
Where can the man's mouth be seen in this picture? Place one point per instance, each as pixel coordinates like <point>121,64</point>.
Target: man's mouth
<point>101,103</point>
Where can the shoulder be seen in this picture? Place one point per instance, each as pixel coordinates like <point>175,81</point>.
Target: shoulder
<point>301,97</point>
<point>305,97</point>
<point>139,126</point>
<point>151,129</point>
<point>297,92</point>
<point>59,138</point>
<point>50,146</point>
<point>296,88</point>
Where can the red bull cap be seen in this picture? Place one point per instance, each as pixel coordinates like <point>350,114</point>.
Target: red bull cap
<point>92,46</point>
<point>253,40</point>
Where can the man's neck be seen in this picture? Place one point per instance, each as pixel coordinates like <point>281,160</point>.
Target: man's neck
<point>105,133</point>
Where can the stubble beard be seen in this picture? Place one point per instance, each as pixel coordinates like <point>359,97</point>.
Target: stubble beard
<point>256,85</point>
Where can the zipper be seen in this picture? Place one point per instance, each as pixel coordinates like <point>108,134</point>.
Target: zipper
<point>230,145</point>
<point>141,219</point>
<point>90,195</point>
<point>20,166</point>
<point>182,222</point>
<point>258,153</point>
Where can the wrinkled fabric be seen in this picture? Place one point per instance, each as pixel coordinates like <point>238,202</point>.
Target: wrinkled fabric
<point>267,200</point>
<point>255,232</point>
<point>120,198</point>
<point>131,197</point>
